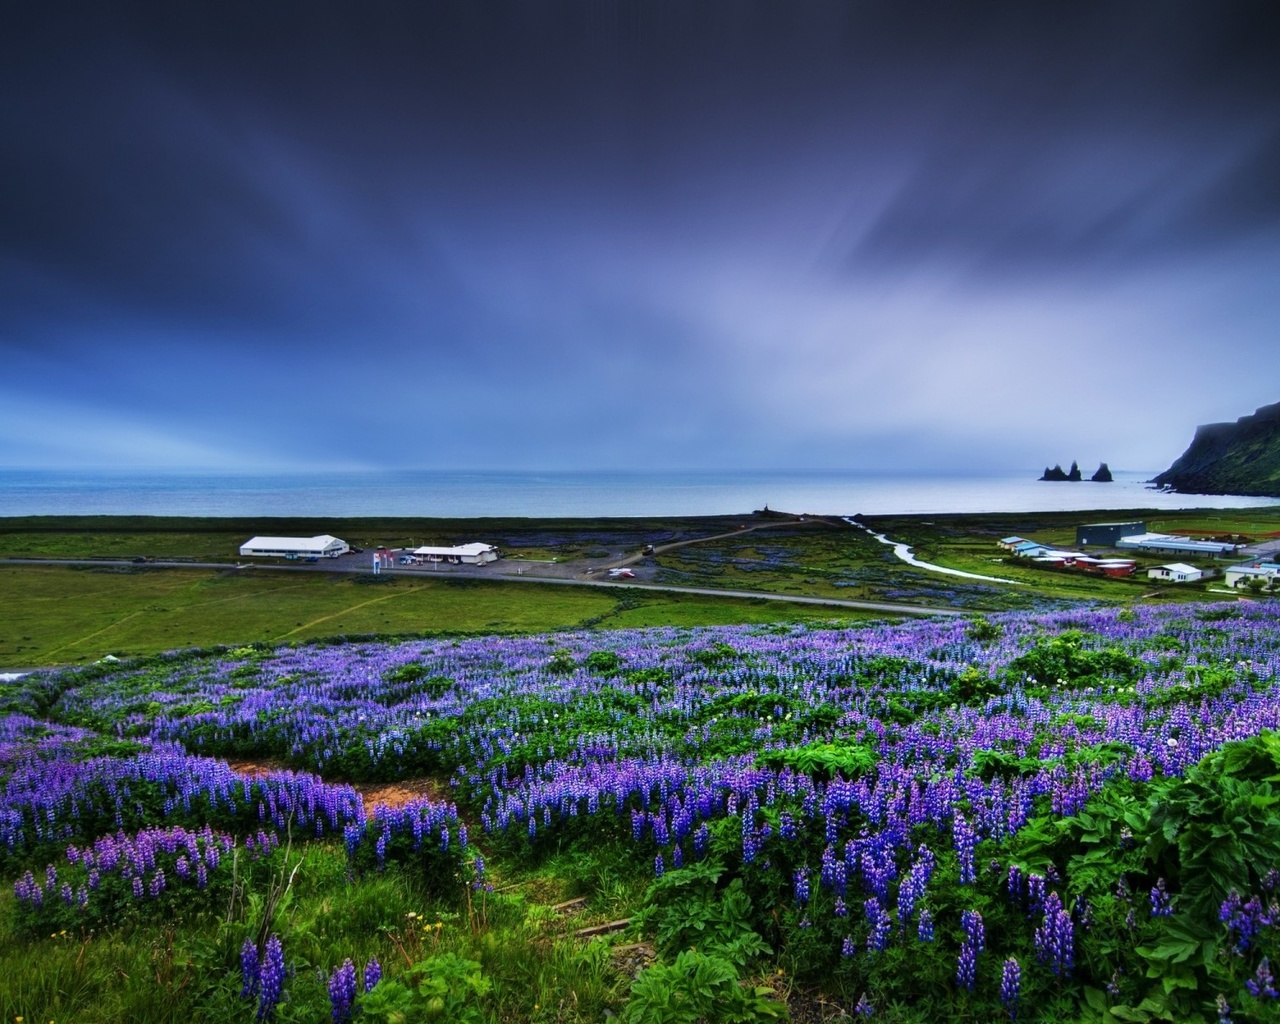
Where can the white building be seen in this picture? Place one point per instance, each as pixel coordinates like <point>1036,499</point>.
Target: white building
<point>1239,575</point>
<point>323,546</point>
<point>1169,544</point>
<point>1175,572</point>
<point>463,554</point>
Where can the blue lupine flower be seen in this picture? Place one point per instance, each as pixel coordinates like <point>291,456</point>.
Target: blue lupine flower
<point>342,992</point>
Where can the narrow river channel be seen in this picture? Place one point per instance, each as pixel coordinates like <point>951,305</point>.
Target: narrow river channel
<point>903,551</point>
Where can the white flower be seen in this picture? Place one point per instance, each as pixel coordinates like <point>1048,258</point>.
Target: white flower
<point>1171,743</point>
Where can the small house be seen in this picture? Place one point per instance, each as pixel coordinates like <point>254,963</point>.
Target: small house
<point>1175,572</point>
<point>1240,575</point>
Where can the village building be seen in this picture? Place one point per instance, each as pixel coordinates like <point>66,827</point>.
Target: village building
<point>1168,544</point>
<point>1175,572</point>
<point>462,554</point>
<point>1107,534</point>
<point>1240,575</point>
<point>323,546</point>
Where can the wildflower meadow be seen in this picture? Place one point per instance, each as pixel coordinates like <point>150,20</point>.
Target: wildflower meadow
<point>1025,817</point>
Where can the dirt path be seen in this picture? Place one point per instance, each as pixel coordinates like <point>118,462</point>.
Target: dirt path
<point>392,795</point>
<point>662,549</point>
<point>98,632</point>
<point>343,611</point>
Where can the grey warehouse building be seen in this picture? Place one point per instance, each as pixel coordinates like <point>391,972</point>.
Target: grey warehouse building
<point>1107,534</point>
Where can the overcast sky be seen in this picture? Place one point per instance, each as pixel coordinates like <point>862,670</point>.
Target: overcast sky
<point>640,234</point>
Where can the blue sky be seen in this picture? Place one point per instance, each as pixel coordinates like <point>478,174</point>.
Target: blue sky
<point>974,237</point>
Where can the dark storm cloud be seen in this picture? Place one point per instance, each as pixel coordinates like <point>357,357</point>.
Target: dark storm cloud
<point>753,215</point>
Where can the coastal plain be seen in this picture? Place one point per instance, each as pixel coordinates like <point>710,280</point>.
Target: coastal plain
<point>100,589</point>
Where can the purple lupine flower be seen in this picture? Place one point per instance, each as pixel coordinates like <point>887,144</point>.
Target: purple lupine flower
<point>342,992</point>
<point>975,941</point>
<point>800,884</point>
<point>1160,905</point>
<point>1010,986</point>
<point>924,931</point>
<point>1224,1010</point>
<point>1055,938</point>
<point>1014,882</point>
<point>1035,893</point>
<point>1262,984</point>
<point>700,839</point>
<point>270,978</point>
<point>966,840</point>
<point>658,866</point>
<point>372,973</point>
<point>1245,920</point>
<point>863,1007</point>
<point>881,925</point>
<point>847,947</point>
<point>249,969</point>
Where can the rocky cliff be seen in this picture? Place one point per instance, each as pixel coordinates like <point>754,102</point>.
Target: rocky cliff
<point>1102,476</point>
<point>1231,458</point>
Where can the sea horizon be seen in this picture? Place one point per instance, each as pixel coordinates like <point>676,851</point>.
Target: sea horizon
<point>398,492</point>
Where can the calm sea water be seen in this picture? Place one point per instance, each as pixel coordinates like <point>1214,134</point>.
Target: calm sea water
<point>427,494</point>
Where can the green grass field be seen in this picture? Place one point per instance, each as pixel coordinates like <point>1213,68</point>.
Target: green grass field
<point>57,616</point>
<point>68,616</point>
<point>217,539</point>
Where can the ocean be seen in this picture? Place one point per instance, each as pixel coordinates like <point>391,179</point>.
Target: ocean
<point>424,493</point>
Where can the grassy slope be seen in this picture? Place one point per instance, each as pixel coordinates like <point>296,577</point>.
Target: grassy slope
<point>57,616</point>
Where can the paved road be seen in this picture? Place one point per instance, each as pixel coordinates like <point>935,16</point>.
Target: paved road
<point>489,573</point>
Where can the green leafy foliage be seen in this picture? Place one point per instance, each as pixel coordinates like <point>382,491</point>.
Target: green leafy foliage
<point>1065,660</point>
<point>698,988</point>
<point>685,910</point>
<point>825,760</point>
<point>984,630</point>
<point>444,987</point>
<point>604,663</point>
<point>1219,828</point>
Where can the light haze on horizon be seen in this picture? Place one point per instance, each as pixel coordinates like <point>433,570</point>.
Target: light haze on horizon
<point>662,235</point>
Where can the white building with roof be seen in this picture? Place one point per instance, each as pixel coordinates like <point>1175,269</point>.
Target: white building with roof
<point>1175,572</point>
<point>1239,575</point>
<point>1166,543</point>
<point>323,546</point>
<point>475,553</point>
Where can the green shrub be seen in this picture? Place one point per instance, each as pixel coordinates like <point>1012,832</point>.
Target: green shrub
<point>698,988</point>
<point>444,987</point>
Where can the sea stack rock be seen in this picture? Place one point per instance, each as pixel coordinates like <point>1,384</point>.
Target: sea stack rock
<point>1102,476</point>
<point>1074,472</point>
<point>1231,458</point>
<point>1054,474</point>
